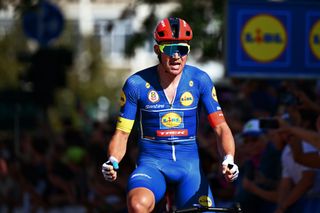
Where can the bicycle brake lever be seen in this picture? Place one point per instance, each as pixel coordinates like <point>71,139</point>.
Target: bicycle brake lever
<point>230,166</point>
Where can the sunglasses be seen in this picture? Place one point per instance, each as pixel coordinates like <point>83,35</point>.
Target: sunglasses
<point>170,49</point>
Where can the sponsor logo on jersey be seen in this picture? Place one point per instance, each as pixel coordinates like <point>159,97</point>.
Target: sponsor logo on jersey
<point>264,38</point>
<point>174,132</point>
<point>186,99</point>
<point>214,94</point>
<point>123,98</point>
<point>147,85</point>
<point>154,106</point>
<point>171,120</point>
<point>205,201</point>
<point>314,39</point>
<point>153,96</point>
<point>141,175</point>
<point>191,83</point>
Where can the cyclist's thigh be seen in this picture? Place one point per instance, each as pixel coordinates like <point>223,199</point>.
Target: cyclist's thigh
<point>150,178</point>
<point>194,190</point>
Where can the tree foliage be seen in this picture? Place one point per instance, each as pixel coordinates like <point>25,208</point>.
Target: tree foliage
<point>205,18</point>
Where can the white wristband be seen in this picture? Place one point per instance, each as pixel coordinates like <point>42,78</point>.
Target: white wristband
<point>113,159</point>
<point>114,162</point>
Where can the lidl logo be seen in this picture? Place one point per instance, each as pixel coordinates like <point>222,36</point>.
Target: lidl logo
<point>171,120</point>
<point>214,94</point>
<point>186,99</point>
<point>264,38</point>
<point>205,201</point>
<point>123,98</point>
<point>314,39</point>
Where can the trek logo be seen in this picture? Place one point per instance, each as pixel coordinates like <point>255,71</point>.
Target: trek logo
<point>186,99</point>
<point>264,38</point>
<point>171,120</point>
<point>314,39</point>
<point>167,133</point>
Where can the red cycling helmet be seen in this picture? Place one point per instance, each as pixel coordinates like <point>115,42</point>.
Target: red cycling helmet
<point>173,29</point>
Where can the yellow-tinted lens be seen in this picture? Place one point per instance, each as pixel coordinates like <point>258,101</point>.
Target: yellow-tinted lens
<point>170,49</point>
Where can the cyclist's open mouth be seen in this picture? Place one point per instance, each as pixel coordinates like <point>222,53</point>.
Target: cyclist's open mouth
<point>175,65</point>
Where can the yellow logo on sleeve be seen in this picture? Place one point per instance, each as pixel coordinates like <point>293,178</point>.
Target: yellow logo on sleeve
<point>214,94</point>
<point>123,98</point>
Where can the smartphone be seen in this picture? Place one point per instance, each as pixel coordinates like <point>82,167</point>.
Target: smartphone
<point>268,123</point>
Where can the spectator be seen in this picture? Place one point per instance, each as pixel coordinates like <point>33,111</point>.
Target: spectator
<point>261,170</point>
<point>299,183</point>
<point>309,135</point>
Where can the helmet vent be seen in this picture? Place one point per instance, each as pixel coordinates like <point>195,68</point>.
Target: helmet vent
<point>188,33</point>
<point>175,27</point>
<point>161,34</point>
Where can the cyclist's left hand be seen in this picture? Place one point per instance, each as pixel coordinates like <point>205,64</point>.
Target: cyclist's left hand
<point>229,168</point>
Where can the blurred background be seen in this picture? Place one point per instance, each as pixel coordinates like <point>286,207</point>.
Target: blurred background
<point>63,63</point>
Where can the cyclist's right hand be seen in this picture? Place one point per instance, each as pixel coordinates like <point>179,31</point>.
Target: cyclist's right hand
<point>229,168</point>
<point>109,169</point>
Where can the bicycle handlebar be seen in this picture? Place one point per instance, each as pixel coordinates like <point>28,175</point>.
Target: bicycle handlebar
<point>235,209</point>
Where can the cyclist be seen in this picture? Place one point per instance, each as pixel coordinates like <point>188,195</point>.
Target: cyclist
<point>166,100</point>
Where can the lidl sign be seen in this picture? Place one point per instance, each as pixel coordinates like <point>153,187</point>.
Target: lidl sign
<point>272,39</point>
<point>313,42</point>
<point>264,38</point>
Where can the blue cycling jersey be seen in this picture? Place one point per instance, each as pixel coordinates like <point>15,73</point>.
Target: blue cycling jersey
<point>160,120</point>
<point>167,132</point>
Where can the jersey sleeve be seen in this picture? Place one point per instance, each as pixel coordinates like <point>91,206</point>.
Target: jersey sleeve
<point>210,101</point>
<point>128,102</point>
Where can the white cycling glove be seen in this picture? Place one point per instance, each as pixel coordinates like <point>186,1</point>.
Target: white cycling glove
<point>109,169</point>
<point>228,162</point>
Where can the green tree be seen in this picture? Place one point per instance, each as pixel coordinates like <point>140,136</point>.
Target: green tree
<point>10,67</point>
<point>205,17</point>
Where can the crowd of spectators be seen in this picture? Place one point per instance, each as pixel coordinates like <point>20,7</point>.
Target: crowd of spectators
<point>61,172</point>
